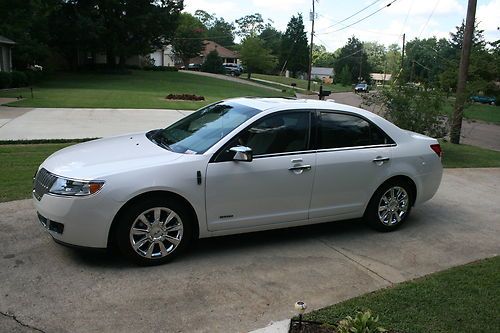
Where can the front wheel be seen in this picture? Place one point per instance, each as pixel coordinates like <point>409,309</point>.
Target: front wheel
<point>154,231</point>
<point>389,206</point>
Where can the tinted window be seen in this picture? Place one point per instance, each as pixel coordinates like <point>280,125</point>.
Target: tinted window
<point>338,130</point>
<point>280,133</point>
<point>283,132</point>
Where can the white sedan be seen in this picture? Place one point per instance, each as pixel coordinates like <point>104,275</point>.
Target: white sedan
<point>236,166</point>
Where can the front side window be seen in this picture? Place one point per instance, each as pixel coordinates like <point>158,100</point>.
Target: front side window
<point>199,131</point>
<point>338,130</point>
<point>279,133</point>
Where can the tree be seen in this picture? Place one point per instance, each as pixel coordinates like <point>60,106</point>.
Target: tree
<point>376,54</point>
<point>218,30</point>
<point>120,28</point>
<point>250,25</point>
<point>188,41</point>
<point>213,63</point>
<point>321,57</point>
<point>354,57</point>
<point>393,59</point>
<point>255,56</point>
<point>26,23</point>
<point>344,76</point>
<point>272,40</point>
<point>294,54</point>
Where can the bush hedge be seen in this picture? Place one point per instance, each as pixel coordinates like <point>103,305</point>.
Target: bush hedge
<point>17,79</point>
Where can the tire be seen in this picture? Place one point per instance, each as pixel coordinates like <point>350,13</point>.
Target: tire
<point>390,206</point>
<point>154,231</point>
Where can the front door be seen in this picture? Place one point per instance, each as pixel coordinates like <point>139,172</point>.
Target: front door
<point>273,188</point>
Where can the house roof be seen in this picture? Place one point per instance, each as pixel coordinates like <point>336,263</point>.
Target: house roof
<point>5,40</point>
<point>380,76</point>
<point>223,52</point>
<point>321,71</point>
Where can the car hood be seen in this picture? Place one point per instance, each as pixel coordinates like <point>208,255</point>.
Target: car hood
<point>99,158</point>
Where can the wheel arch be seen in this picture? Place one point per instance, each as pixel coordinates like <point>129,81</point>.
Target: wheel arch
<point>402,178</point>
<point>154,194</point>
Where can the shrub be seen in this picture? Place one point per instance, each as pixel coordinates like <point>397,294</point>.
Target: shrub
<point>413,108</point>
<point>19,79</point>
<point>363,322</point>
<point>5,79</point>
<point>213,63</point>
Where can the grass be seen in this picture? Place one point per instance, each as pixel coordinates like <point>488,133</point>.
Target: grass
<point>462,299</point>
<point>301,83</point>
<point>465,156</point>
<point>476,111</point>
<point>19,163</point>
<point>140,89</point>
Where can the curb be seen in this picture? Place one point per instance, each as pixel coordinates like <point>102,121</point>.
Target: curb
<point>282,326</point>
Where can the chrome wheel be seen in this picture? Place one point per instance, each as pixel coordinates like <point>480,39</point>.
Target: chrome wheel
<point>393,206</point>
<point>156,232</point>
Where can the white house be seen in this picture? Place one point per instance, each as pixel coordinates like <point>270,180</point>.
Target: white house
<point>6,54</point>
<point>380,78</point>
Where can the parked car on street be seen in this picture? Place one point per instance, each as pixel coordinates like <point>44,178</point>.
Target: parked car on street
<point>484,99</point>
<point>233,69</point>
<point>361,87</point>
<point>194,67</point>
<point>235,166</point>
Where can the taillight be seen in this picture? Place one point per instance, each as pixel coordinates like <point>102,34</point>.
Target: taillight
<point>437,149</point>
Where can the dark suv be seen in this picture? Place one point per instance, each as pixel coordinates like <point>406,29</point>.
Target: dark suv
<point>233,69</point>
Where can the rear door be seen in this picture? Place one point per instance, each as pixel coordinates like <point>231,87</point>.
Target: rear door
<point>353,159</point>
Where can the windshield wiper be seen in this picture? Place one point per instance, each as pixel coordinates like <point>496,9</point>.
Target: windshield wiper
<point>160,140</point>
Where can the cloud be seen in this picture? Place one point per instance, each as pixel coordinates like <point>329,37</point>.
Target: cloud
<point>488,16</point>
<point>281,4</point>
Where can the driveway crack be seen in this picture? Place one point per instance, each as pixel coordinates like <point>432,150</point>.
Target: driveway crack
<point>355,261</point>
<point>20,322</point>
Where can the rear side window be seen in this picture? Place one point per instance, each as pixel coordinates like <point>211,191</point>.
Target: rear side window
<point>338,130</point>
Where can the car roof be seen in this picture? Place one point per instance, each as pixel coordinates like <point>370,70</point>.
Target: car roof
<point>271,103</point>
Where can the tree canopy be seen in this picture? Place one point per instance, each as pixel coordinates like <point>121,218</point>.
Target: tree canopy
<point>294,54</point>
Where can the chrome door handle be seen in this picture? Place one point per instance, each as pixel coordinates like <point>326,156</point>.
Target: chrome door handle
<point>300,167</point>
<point>380,159</point>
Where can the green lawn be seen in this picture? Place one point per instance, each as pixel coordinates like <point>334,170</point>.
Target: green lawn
<point>476,111</point>
<point>140,89</point>
<point>462,299</point>
<point>19,162</point>
<point>464,156</point>
<point>301,83</point>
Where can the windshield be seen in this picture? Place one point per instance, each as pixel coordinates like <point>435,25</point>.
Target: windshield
<point>199,131</point>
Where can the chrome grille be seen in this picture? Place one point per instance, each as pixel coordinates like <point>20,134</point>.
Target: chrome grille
<point>43,182</point>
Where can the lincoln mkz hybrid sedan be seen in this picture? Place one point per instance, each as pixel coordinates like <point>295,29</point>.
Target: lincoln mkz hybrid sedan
<point>236,166</point>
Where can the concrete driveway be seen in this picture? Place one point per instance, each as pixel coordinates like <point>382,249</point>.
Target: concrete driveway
<point>238,283</point>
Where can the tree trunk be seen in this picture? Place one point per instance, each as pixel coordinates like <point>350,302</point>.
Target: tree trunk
<point>456,125</point>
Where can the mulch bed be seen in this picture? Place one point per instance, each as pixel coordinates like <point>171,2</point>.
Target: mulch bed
<point>185,97</point>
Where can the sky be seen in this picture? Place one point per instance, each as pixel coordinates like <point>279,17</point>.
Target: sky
<point>415,18</point>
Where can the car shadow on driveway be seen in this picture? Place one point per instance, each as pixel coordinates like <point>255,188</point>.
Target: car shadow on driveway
<point>225,245</point>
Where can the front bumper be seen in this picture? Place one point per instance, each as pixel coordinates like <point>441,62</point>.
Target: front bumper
<point>79,221</point>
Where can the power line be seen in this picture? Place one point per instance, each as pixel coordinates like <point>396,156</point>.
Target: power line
<point>429,18</point>
<point>356,13</point>
<point>364,18</point>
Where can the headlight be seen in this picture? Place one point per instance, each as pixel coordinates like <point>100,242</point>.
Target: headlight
<point>63,186</point>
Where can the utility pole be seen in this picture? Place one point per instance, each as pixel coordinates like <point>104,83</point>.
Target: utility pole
<point>311,49</point>
<point>458,112</point>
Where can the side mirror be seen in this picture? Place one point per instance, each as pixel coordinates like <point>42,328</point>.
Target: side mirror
<point>242,153</point>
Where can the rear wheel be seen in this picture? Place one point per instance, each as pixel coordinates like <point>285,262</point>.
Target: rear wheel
<point>390,206</point>
<point>154,231</point>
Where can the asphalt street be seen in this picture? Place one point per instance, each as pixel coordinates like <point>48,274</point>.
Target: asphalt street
<point>238,283</point>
